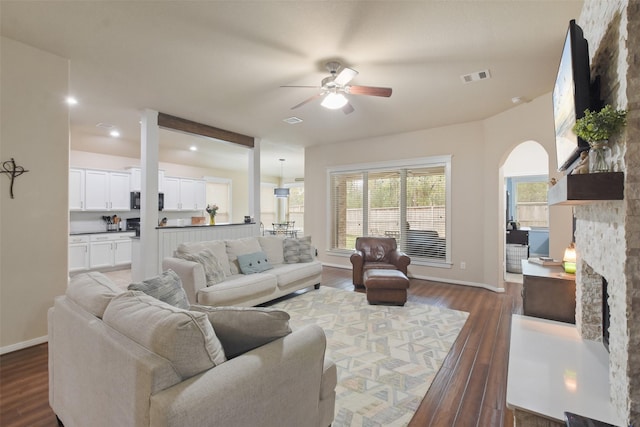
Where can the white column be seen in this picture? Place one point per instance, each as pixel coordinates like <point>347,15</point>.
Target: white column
<point>149,148</point>
<point>254,181</point>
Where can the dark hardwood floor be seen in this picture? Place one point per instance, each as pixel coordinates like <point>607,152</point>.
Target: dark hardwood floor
<point>469,389</point>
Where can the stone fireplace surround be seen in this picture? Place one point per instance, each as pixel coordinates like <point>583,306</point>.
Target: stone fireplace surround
<point>607,234</point>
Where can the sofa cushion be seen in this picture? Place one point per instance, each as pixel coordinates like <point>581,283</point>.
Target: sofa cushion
<point>297,250</point>
<point>166,287</point>
<point>239,289</point>
<point>241,329</point>
<point>237,247</point>
<point>92,291</point>
<point>213,268</point>
<point>292,274</point>
<point>185,338</point>
<point>273,246</point>
<point>256,262</point>
<point>218,247</point>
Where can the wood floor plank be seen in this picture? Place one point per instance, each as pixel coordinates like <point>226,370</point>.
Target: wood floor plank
<point>469,389</point>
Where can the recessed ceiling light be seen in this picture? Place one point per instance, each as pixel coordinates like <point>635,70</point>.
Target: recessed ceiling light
<point>293,120</point>
<point>114,133</point>
<point>193,148</point>
<point>70,100</point>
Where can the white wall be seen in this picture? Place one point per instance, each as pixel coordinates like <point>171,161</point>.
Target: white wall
<point>527,159</point>
<point>478,151</point>
<point>33,225</point>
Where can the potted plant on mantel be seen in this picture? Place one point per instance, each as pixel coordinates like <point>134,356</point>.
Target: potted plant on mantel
<point>596,128</point>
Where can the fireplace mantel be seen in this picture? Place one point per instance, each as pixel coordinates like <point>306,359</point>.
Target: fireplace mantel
<point>587,188</point>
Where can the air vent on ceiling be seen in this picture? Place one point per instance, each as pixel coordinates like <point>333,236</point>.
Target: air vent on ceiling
<point>293,120</point>
<point>476,77</point>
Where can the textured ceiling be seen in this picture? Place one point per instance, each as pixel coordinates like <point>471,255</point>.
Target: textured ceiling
<point>222,63</point>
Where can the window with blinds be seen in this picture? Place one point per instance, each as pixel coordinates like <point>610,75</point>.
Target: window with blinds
<point>267,204</point>
<point>409,203</point>
<point>219,193</point>
<point>296,206</point>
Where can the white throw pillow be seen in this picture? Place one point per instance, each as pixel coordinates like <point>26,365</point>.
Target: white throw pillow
<point>218,247</point>
<point>273,246</point>
<point>213,269</point>
<point>237,247</point>
<point>92,291</point>
<point>185,338</point>
<point>241,329</point>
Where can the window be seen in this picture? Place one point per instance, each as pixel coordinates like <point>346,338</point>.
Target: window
<point>529,203</point>
<point>267,205</point>
<point>219,193</point>
<point>296,206</point>
<point>405,200</point>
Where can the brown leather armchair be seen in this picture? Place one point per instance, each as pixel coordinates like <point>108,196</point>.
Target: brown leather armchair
<point>377,252</point>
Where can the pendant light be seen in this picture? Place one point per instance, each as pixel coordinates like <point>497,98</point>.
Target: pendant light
<point>281,191</point>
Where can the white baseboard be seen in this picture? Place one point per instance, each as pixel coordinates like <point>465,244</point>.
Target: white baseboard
<point>434,279</point>
<point>23,344</point>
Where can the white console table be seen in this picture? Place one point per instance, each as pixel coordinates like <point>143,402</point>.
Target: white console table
<point>553,370</point>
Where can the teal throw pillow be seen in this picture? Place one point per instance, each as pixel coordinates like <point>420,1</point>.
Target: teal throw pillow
<point>255,262</point>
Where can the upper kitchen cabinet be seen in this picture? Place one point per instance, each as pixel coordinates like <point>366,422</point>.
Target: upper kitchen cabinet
<point>183,194</point>
<point>76,189</point>
<point>136,179</point>
<point>107,191</point>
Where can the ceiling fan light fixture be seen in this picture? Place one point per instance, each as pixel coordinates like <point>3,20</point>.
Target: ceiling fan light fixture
<point>334,101</point>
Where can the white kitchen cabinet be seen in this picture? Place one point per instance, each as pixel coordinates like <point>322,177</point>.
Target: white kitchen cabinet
<point>76,189</point>
<point>78,252</point>
<point>184,194</point>
<point>136,179</point>
<point>106,191</point>
<point>108,250</point>
<point>171,193</point>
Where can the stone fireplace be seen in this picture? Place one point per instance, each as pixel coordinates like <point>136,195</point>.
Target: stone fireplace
<point>607,234</point>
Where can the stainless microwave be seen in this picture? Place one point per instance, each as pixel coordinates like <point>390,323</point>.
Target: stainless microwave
<point>136,200</point>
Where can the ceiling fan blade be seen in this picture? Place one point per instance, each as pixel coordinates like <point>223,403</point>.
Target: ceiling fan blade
<point>307,100</point>
<point>348,108</point>
<point>345,76</point>
<point>369,90</point>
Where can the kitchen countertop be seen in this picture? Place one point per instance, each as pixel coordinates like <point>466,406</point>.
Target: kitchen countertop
<point>202,225</point>
<point>78,233</point>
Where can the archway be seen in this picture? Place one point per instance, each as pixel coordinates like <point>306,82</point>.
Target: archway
<point>526,215</point>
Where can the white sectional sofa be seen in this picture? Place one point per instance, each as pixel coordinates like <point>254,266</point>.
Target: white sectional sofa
<point>127,359</point>
<point>212,273</point>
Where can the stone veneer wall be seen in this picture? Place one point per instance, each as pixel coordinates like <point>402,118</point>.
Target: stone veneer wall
<point>608,233</point>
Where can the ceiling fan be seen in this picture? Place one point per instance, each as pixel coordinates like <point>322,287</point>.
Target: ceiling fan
<point>334,87</point>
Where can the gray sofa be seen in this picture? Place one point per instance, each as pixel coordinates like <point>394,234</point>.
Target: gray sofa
<point>228,285</point>
<point>123,358</point>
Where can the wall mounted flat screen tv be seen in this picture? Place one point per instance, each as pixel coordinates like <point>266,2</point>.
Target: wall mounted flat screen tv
<point>571,96</point>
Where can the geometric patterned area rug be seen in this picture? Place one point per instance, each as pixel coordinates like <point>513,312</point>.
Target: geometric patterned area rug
<point>386,356</point>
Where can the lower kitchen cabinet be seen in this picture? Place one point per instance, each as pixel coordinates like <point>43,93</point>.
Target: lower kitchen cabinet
<point>78,253</point>
<point>91,251</point>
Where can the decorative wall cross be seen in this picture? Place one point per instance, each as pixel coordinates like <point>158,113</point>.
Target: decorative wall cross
<point>9,167</point>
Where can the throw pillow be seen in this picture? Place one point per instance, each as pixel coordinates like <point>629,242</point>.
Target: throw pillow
<point>256,262</point>
<point>273,246</point>
<point>92,291</point>
<point>185,338</point>
<point>166,287</point>
<point>297,250</point>
<point>241,329</point>
<point>237,247</point>
<point>218,247</point>
<point>213,269</point>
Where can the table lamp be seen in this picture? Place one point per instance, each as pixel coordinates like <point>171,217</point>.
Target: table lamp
<point>569,259</point>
